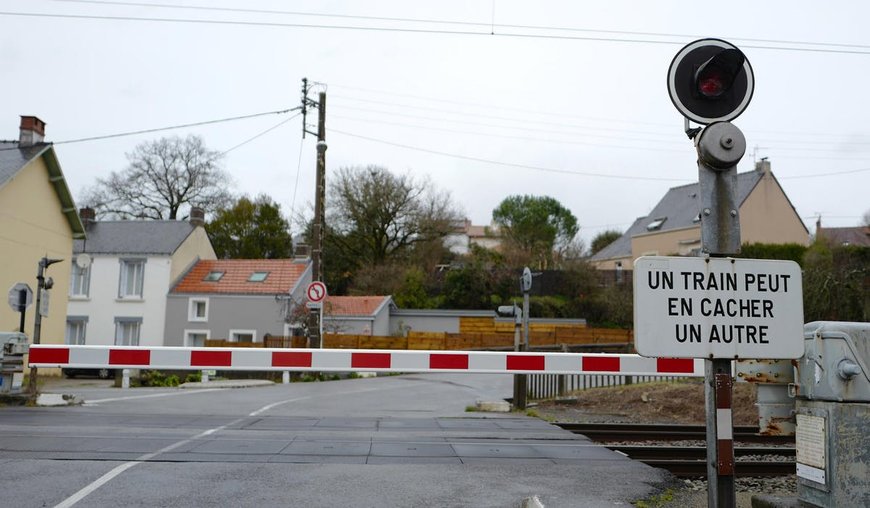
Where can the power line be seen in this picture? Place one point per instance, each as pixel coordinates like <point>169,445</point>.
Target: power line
<point>491,26</point>
<point>263,133</point>
<point>181,126</point>
<point>493,117</point>
<point>509,164</point>
<point>522,138</point>
<point>403,30</point>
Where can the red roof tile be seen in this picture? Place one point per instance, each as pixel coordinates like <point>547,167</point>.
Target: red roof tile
<point>283,276</point>
<point>353,305</point>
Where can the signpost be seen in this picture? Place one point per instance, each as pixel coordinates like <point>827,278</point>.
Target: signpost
<point>690,307</point>
<point>20,298</point>
<point>316,293</point>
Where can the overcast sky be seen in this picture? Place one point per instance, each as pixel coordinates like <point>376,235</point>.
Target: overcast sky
<point>488,98</point>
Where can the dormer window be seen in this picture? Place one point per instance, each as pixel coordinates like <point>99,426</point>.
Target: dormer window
<point>258,276</point>
<point>656,224</point>
<point>213,276</point>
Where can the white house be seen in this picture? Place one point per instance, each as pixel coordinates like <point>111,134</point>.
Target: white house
<point>121,276</point>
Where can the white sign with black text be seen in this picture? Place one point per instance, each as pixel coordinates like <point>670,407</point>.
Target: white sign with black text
<point>694,307</point>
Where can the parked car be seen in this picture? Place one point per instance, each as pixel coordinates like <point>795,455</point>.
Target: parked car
<point>100,373</point>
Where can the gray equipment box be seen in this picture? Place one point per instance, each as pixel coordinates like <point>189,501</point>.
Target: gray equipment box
<point>835,362</point>
<point>833,415</point>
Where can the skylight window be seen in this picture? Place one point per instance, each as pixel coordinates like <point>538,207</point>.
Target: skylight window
<point>656,224</point>
<point>258,276</point>
<point>213,276</point>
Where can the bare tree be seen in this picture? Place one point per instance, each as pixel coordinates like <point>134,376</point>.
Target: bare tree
<point>377,214</point>
<point>162,177</point>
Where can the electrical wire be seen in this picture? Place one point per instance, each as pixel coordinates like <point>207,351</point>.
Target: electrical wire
<point>507,164</point>
<point>524,121</point>
<point>404,30</point>
<point>521,138</point>
<point>491,26</point>
<point>263,133</point>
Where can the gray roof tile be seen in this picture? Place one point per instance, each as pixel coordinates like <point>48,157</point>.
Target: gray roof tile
<point>157,237</point>
<point>679,207</point>
<point>12,158</point>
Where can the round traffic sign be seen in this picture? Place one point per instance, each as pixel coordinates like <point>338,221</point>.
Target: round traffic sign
<point>710,80</point>
<point>316,292</point>
<point>15,294</point>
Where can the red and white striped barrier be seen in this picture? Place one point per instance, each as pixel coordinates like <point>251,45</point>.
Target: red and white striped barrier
<point>348,360</point>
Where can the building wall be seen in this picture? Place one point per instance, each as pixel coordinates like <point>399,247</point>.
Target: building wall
<point>260,313</point>
<point>767,216</point>
<point>665,243</point>
<point>32,225</point>
<point>611,264</point>
<point>103,305</point>
<point>195,247</point>
<point>381,325</point>
<point>403,323</point>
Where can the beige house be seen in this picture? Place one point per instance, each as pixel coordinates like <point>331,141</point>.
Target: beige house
<point>38,218</point>
<point>673,228</point>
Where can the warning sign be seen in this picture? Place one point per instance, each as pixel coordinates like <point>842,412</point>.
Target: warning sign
<point>717,308</point>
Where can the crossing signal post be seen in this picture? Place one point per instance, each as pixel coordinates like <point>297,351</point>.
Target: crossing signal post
<point>710,81</point>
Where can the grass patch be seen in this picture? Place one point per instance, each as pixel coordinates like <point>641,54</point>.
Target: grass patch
<point>656,501</point>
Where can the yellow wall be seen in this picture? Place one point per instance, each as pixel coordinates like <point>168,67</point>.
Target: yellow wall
<point>195,247</point>
<point>767,216</point>
<point>610,264</point>
<point>32,225</point>
<point>667,243</point>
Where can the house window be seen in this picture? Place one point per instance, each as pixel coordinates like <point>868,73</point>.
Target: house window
<point>213,276</point>
<point>76,328</point>
<point>80,281</point>
<point>197,309</point>
<point>196,338</point>
<point>656,224</point>
<point>127,331</point>
<point>258,276</point>
<point>132,277</point>
<point>243,335</point>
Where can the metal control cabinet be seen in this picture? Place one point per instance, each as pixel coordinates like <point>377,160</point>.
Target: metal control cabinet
<point>13,347</point>
<point>833,415</point>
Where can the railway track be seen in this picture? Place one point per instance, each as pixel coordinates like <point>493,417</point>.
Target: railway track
<point>665,432</point>
<point>691,461</point>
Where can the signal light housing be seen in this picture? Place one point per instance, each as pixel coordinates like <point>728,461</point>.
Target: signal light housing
<point>710,80</point>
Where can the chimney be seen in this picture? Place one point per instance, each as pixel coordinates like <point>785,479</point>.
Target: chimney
<point>763,166</point>
<point>301,252</point>
<point>88,216</point>
<point>197,216</point>
<point>32,131</point>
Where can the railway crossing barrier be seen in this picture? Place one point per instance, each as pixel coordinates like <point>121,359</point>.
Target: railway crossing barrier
<point>355,360</point>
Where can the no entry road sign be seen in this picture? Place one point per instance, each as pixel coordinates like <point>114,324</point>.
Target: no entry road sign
<point>693,307</point>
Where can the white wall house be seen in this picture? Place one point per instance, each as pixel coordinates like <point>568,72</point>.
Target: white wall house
<point>121,276</point>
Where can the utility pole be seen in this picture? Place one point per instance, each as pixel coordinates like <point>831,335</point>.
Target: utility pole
<point>319,200</point>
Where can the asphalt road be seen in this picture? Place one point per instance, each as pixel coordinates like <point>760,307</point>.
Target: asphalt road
<point>398,441</point>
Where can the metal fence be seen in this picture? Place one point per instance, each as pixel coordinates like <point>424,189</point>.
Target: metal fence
<point>549,386</point>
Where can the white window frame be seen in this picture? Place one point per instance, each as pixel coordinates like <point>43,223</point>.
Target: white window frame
<point>191,310</point>
<point>234,333</point>
<point>289,327</point>
<point>82,276</point>
<point>120,324</point>
<point>81,324</point>
<point>123,279</point>
<point>187,333</point>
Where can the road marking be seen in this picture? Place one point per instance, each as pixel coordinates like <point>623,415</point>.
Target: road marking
<point>99,482</point>
<point>153,395</point>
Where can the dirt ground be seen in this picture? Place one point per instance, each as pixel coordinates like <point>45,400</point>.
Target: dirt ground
<point>674,402</point>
